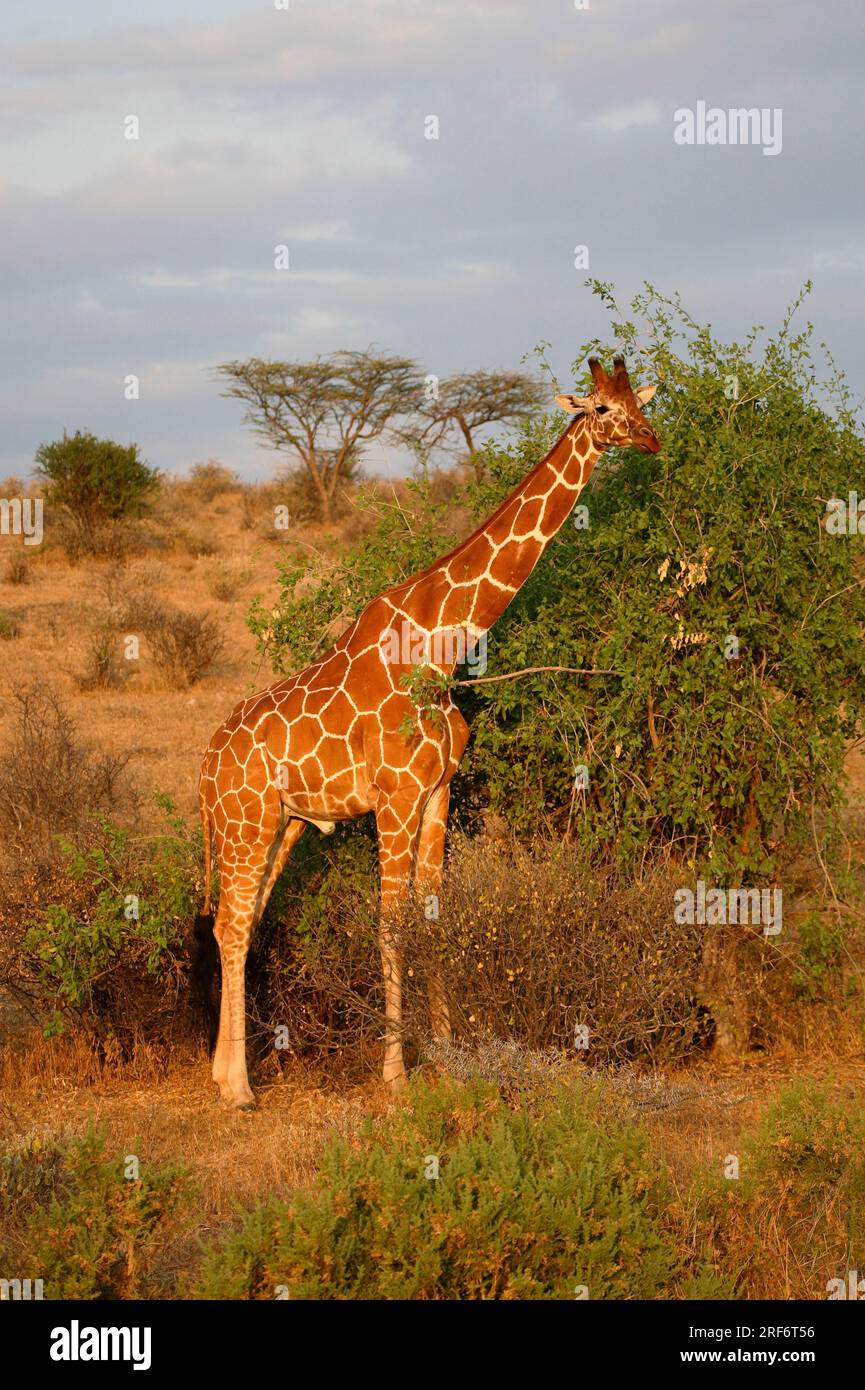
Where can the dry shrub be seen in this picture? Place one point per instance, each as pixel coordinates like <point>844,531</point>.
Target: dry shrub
<point>195,543</point>
<point>534,944</point>
<point>227,578</point>
<point>298,492</point>
<point>259,502</point>
<point>17,569</point>
<point>10,626</point>
<point>50,783</point>
<point>124,584</point>
<point>104,670</point>
<point>209,480</point>
<point>531,943</point>
<point>184,646</point>
<point>115,540</point>
<point>137,611</point>
<point>250,508</point>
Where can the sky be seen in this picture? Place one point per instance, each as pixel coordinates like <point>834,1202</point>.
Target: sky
<point>306,126</point>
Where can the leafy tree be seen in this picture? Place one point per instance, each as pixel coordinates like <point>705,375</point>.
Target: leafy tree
<point>465,404</point>
<point>705,580</point>
<point>95,480</point>
<point>324,413</point>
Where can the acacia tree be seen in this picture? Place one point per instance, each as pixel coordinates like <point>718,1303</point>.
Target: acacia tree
<point>324,413</point>
<point>465,403</point>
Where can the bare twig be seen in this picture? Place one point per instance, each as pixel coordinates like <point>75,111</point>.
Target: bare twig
<point>534,670</point>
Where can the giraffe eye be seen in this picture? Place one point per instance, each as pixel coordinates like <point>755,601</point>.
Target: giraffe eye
<point>601,409</point>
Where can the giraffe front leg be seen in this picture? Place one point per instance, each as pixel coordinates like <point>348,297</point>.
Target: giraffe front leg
<point>428,878</point>
<point>398,822</point>
<point>393,1070</point>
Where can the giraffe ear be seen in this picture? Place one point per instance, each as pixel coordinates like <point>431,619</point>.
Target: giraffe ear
<point>573,403</point>
<point>645,393</point>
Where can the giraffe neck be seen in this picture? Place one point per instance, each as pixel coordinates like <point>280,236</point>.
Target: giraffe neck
<point>472,586</point>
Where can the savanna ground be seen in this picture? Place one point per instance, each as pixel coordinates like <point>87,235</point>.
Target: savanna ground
<point>748,1057</point>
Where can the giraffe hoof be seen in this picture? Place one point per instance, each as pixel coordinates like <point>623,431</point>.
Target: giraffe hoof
<point>246,1105</point>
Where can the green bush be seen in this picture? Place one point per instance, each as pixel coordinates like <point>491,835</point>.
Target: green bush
<point>698,743</point>
<point>111,945</point>
<point>72,1217</point>
<point>95,481</point>
<point>794,1218</point>
<point>528,1203</point>
<point>821,952</point>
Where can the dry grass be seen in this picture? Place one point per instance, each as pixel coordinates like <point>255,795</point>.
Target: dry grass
<point>162,1105</point>
<point>160,1102</point>
<point>172,559</point>
<point>50,623</point>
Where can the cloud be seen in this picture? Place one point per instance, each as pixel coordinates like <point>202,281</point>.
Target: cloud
<point>622,118</point>
<point>306,127</point>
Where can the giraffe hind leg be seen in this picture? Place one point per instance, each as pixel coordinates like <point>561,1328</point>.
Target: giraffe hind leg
<point>240,911</point>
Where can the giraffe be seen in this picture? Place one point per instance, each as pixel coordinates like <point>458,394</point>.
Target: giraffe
<point>330,743</point>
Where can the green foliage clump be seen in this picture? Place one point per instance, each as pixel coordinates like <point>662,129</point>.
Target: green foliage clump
<point>801,1175</point>
<point>123,914</point>
<point>458,1197</point>
<point>705,581</point>
<point>75,1220</point>
<point>95,481</point>
<point>821,946</point>
<point>303,623</point>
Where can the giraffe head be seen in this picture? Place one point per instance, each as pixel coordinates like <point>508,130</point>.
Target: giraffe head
<point>614,409</point>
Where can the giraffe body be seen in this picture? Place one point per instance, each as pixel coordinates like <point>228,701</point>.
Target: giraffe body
<point>330,743</point>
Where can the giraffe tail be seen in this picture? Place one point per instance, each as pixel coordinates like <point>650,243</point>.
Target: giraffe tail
<point>202,975</point>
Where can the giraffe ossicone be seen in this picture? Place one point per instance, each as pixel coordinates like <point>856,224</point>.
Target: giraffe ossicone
<point>329,743</point>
